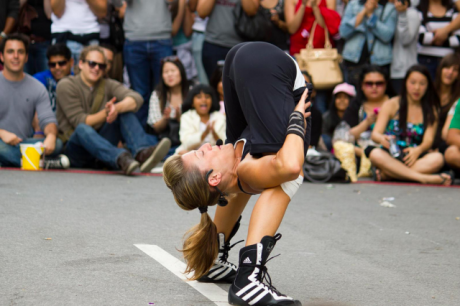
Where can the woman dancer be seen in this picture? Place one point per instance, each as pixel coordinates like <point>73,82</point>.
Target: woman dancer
<point>267,139</point>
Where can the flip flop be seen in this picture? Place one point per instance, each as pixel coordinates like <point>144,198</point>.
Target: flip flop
<point>449,173</point>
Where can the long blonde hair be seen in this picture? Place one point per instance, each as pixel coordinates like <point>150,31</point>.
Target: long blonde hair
<point>191,191</point>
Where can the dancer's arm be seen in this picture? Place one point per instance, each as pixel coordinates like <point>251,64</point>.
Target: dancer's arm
<point>273,170</point>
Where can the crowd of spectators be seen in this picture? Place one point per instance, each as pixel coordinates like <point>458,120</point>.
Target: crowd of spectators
<point>123,84</point>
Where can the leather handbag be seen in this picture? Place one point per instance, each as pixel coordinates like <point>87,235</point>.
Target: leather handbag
<point>321,64</point>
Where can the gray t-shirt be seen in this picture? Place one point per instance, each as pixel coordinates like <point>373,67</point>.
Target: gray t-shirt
<point>18,103</point>
<point>146,19</point>
<point>220,29</point>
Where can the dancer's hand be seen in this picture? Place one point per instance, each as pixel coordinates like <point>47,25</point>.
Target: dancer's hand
<point>302,106</point>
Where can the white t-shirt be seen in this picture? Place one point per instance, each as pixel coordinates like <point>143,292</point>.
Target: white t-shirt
<point>452,109</point>
<point>77,18</point>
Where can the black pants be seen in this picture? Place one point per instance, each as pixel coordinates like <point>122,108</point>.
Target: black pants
<point>258,83</point>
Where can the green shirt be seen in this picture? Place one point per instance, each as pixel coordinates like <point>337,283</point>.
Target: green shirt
<point>455,123</point>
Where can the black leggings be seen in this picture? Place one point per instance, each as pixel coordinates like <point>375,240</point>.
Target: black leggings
<point>258,81</point>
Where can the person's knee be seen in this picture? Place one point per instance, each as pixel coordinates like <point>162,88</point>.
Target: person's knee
<point>452,155</point>
<point>377,155</point>
<point>83,128</point>
<point>436,160</point>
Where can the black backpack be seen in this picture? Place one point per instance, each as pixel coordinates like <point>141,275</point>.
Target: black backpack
<point>324,168</point>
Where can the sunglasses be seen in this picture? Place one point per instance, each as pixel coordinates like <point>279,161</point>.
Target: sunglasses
<point>171,58</point>
<point>54,64</point>
<point>93,65</point>
<point>372,84</point>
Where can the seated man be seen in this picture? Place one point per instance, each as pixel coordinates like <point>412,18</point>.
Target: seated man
<point>95,113</point>
<point>60,63</point>
<point>21,97</point>
<point>452,153</point>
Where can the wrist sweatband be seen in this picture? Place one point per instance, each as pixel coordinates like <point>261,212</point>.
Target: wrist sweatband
<point>296,125</point>
<point>39,133</point>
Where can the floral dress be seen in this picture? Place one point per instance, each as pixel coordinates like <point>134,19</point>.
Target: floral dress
<point>412,137</point>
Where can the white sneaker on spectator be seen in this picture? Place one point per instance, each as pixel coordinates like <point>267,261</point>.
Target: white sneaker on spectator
<point>59,162</point>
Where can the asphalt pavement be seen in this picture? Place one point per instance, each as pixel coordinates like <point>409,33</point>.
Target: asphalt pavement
<point>69,239</point>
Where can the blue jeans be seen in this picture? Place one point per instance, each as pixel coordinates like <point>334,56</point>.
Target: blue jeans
<point>430,62</point>
<point>86,145</point>
<point>76,48</point>
<point>37,61</point>
<point>143,61</point>
<point>322,100</point>
<point>211,54</point>
<point>197,47</point>
<point>10,156</point>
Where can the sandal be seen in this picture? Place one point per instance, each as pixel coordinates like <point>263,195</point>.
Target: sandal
<point>451,174</point>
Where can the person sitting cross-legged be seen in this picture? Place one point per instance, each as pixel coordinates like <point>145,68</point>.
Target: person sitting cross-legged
<point>21,96</point>
<point>95,113</point>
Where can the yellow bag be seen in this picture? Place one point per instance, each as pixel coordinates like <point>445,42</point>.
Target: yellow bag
<point>321,64</point>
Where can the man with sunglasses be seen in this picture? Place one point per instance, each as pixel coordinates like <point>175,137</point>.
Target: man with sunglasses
<point>21,98</point>
<point>60,64</point>
<point>95,113</point>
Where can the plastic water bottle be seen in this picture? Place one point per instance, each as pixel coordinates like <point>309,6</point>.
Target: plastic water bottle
<point>395,151</point>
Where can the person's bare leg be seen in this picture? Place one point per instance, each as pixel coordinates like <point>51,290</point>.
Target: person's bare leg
<point>226,217</point>
<point>397,170</point>
<point>452,155</point>
<point>429,164</point>
<point>267,214</point>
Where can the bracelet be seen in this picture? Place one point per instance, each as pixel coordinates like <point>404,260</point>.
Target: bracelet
<point>39,133</point>
<point>296,125</point>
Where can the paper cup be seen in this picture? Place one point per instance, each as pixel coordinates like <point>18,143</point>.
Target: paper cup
<point>31,155</point>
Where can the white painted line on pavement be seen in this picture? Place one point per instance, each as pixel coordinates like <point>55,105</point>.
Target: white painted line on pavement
<point>177,267</point>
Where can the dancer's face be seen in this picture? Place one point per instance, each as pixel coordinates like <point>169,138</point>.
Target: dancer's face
<point>219,158</point>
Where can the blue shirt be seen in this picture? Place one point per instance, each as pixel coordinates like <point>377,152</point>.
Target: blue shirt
<point>47,79</point>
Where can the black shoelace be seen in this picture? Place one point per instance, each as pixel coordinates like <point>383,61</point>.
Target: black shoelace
<point>227,247</point>
<point>264,277</point>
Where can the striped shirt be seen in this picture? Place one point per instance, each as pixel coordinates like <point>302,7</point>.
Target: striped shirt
<point>426,35</point>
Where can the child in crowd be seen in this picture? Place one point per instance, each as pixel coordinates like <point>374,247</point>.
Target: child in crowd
<point>447,84</point>
<point>201,121</point>
<point>166,102</point>
<point>342,94</point>
<point>405,129</point>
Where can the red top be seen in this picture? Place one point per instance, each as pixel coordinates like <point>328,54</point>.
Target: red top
<point>299,39</point>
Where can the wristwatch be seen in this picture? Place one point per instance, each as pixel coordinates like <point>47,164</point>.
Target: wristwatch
<point>3,34</point>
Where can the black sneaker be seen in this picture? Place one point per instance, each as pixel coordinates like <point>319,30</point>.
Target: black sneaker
<point>249,287</point>
<point>59,162</point>
<point>223,271</point>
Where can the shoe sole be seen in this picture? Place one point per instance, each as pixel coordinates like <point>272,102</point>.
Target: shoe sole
<point>160,152</point>
<point>133,166</point>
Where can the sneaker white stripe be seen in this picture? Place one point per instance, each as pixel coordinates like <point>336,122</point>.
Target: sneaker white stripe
<point>224,274</point>
<point>253,292</point>
<point>216,272</point>
<point>242,291</point>
<point>259,297</point>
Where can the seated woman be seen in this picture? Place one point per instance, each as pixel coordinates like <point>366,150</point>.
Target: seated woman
<point>362,111</point>
<point>267,139</point>
<point>411,120</point>
<point>447,84</point>
<point>201,122</point>
<point>166,102</point>
<point>342,93</point>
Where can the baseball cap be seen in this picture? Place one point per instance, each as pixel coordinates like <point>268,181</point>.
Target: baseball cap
<point>346,88</point>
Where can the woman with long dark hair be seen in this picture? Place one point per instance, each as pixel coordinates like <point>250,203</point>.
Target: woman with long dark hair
<point>405,130</point>
<point>447,84</point>
<point>166,101</point>
<point>263,155</point>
